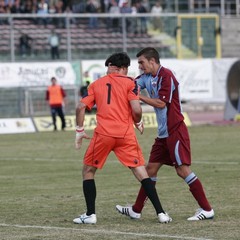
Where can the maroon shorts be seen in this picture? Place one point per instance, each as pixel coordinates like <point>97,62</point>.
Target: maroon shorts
<point>173,150</point>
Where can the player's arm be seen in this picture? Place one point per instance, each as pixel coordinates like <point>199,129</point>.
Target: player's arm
<point>137,115</point>
<point>47,95</point>
<point>80,114</point>
<point>155,102</point>
<point>63,92</point>
<point>136,110</point>
<point>64,96</point>
<point>80,133</point>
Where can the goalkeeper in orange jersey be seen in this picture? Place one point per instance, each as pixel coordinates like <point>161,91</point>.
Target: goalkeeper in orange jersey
<point>118,108</point>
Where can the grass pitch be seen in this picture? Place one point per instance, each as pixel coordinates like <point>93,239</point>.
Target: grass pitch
<point>41,189</point>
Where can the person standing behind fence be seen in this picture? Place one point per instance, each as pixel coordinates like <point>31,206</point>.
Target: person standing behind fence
<point>54,41</point>
<point>25,45</point>
<point>55,96</point>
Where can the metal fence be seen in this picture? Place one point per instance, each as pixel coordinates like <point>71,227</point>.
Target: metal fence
<point>82,38</point>
<point>29,101</point>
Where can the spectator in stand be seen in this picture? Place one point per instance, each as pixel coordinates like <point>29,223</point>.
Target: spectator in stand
<point>42,10</point>
<point>2,5</point>
<point>35,4</point>
<point>127,9</point>
<point>52,3</point>
<point>3,10</point>
<point>104,6</point>
<point>52,10</point>
<point>121,2</point>
<point>28,6</point>
<point>92,7</point>
<point>34,10</point>
<point>16,7</point>
<point>25,45</point>
<point>59,7</point>
<point>114,22</point>
<point>65,4</point>
<point>134,19</point>
<point>55,96</point>
<point>78,6</point>
<point>72,20</point>
<point>8,4</point>
<point>28,9</point>
<point>54,42</point>
<point>142,20</point>
<point>146,5</point>
<point>157,9</point>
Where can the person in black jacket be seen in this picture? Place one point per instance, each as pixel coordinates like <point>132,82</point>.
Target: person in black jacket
<point>25,44</point>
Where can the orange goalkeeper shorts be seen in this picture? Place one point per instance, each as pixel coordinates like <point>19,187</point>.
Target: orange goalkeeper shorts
<point>126,149</point>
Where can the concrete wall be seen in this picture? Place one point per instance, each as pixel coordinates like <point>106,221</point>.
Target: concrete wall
<point>230,32</point>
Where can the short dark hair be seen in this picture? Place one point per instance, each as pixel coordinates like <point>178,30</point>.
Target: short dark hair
<point>149,53</point>
<point>118,59</point>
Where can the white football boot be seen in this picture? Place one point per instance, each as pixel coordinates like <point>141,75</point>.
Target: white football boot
<point>84,218</point>
<point>128,211</point>
<point>164,218</point>
<point>201,215</point>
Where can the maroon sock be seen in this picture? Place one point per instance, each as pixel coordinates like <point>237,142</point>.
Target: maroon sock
<point>197,191</point>
<point>141,200</point>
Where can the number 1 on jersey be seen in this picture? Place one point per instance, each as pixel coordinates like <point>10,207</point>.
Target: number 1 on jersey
<point>109,93</point>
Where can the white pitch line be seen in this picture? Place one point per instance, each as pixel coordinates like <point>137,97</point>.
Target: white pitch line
<point>104,232</point>
<point>109,161</point>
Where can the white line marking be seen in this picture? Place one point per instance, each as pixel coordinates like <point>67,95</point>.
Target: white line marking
<point>109,161</point>
<point>216,163</point>
<point>104,232</point>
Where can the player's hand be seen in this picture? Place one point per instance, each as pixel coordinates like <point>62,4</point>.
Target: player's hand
<point>80,134</point>
<point>140,126</point>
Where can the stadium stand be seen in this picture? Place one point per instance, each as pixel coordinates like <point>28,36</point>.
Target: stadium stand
<point>86,43</point>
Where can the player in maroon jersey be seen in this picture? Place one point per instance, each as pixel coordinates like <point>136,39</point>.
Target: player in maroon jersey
<point>172,145</point>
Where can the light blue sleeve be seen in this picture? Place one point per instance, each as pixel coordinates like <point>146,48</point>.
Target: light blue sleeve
<point>141,82</point>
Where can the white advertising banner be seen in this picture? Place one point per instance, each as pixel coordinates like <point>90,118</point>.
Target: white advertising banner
<point>194,76</point>
<point>16,125</point>
<point>200,79</point>
<point>35,74</point>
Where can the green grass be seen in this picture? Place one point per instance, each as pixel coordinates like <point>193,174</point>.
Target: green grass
<point>41,189</point>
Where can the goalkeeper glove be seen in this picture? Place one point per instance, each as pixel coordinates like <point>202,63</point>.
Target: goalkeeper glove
<point>140,126</point>
<point>80,134</point>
